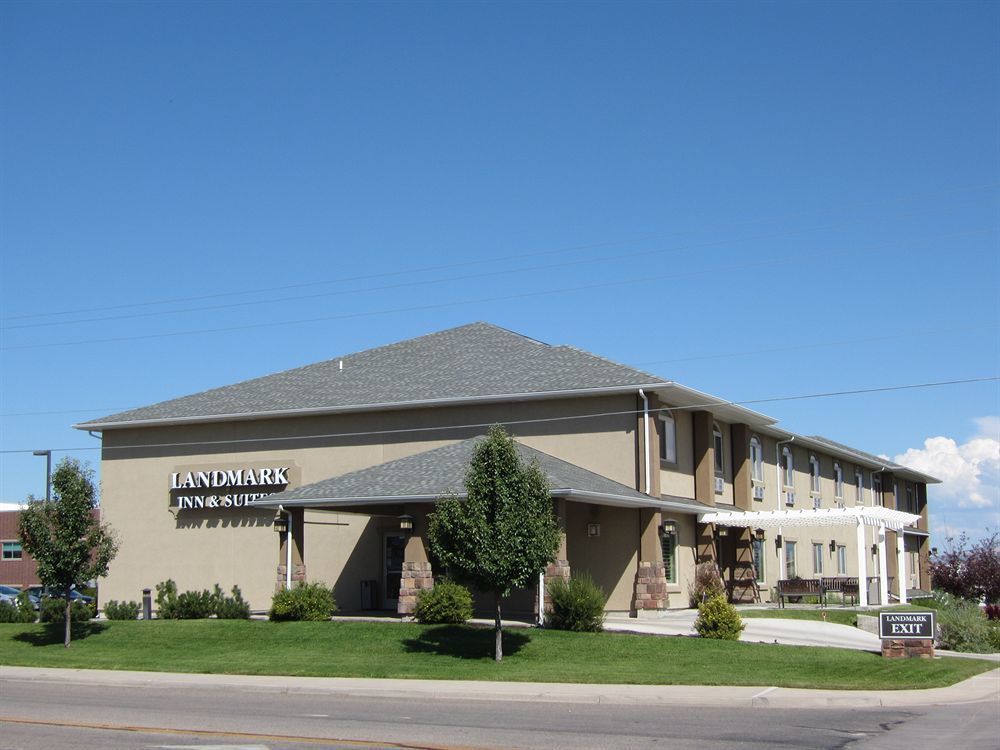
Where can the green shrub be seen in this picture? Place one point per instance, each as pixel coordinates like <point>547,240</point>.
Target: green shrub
<point>307,601</point>
<point>195,605</point>
<point>115,610</point>
<point>706,584</point>
<point>577,604</point>
<point>15,612</point>
<point>166,600</point>
<point>54,610</point>
<point>447,602</point>
<point>718,619</point>
<point>231,607</point>
<point>962,626</point>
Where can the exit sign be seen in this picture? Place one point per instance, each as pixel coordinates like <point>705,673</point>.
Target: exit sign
<point>897,625</point>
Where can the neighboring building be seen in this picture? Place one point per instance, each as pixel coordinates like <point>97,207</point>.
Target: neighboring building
<point>649,477</point>
<point>16,566</point>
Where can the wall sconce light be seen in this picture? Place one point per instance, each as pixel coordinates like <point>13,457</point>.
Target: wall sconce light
<point>669,526</point>
<point>723,531</point>
<point>874,550</point>
<point>778,541</point>
<point>833,545</point>
<point>280,524</point>
<point>759,533</point>
<point>406,522</point>
<point>593,529</point>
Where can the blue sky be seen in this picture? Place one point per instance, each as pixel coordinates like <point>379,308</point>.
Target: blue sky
<point>758,200</point>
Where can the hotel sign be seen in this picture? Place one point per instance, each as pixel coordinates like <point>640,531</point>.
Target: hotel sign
<point>225,488</point>
<point>901,625</point>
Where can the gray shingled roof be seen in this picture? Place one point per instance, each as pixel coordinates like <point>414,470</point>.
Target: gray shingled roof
<point>473,361</point>
<point>441,471</point>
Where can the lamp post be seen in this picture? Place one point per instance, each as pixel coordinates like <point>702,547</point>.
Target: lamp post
<point>48,473</point>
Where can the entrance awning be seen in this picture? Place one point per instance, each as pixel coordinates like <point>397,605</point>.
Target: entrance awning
<point>894,520</point>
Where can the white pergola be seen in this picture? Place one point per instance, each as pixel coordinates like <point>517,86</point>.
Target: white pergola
<point>859,516</point>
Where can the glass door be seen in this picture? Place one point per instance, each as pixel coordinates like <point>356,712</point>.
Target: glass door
<point>393,568</point>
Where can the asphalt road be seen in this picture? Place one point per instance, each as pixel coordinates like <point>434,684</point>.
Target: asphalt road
<point>56,714</point>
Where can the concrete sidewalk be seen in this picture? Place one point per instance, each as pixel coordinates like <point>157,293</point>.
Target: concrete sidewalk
<point>984,687</point>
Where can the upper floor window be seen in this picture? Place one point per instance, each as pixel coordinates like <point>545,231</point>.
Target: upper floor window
<point>859,487</point>
<point>12,551</point>
<point>876,489</point>
<point>788,466</point>
<point>911,506</point>
<point>717,443</point>
<point>814,474</point>
<point>895,496</point>
<point>756,460</point>
<point>838,481</point>
<point>667,428</point>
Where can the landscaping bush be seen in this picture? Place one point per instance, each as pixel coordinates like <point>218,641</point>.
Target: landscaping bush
<point>707,583</point>
<point>969,572</point>
<point>54,610</point>
<point>577,604</point>
<point>115,610</point>
<point>14,613</point>
<point>195,605</point>
<point>232,607</point>
<point>447,602</point>
<point>718,619</point>
<point>962,625</point>
<point>992,611</point>
<point>307,601</point>
<point>166,600</point>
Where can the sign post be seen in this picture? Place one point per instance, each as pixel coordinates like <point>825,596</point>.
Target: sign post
<point>906,634</point>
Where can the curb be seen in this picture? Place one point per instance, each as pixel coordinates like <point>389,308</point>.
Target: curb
<point>982,687</point>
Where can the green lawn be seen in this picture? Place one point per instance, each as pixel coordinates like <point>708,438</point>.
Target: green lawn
<point>361,649</point>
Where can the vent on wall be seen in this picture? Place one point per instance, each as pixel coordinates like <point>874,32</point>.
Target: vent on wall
<point>789,498</point>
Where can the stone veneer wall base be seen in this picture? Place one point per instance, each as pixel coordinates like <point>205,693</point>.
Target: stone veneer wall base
<point>416,577</point>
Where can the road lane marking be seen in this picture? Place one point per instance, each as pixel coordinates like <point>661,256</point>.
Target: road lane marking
<point>239,735</point>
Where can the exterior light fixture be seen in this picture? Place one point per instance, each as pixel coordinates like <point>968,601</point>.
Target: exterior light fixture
<point>406,522</point>
<point>723,531</point>
<point>778,541</point>
<point>669,526</point>
<point>593,529</point>
<point>833,545</point>
<point>759,533</point>
<point>280,524</point>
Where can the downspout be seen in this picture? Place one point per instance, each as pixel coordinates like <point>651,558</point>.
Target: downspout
<point>288,547</point>
<point>645,424</point>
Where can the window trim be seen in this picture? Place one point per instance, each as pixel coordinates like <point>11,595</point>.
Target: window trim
<point>16,550</point>
<point>790,544</point>
<point>841,559</point>
<point>788,471</point>
<point>756,461</point>
<point>838,480</point>
<point>815,475</point>
<point>859,487</point>
<point>719,450</point>
<point>817,556</point>
<point>664,422</point>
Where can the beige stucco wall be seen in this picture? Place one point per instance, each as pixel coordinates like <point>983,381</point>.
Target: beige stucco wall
<point>611,558</point>
<point>198,548</point>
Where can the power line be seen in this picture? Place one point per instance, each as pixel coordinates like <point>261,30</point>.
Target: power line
<point>539,420</point>
<point>467,263</point>
<point>441,305</point>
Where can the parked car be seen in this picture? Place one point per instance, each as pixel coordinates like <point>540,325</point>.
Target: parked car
<point>47,592</point>
<point>10,594</point>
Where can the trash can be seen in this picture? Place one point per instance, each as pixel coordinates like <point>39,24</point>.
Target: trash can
<point>369,595</point>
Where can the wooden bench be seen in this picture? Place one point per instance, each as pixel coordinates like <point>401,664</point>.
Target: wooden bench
<point>845,585</point>
<point>799,587</point>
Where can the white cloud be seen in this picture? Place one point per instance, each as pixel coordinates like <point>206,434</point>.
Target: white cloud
<point>969,472</point>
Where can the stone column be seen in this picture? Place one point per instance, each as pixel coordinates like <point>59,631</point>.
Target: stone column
<point>417,573</point>
<point>651,576</point>
<point>296,537</point>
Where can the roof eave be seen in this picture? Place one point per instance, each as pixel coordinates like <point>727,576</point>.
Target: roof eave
<point>325,410</point>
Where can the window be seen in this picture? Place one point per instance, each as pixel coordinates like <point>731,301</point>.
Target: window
<point>817,558</point>
<point>911,507</point>
<point>876,489</point>
<point>758,559</point>
<point>841,560</point>
<point>788,467</point>
<point>668,545</point>
<point>756,461</point>
<point>838,484</point>
<point>12,551</point>
<point>895,496</point>
<point>814,475</point>
<point>789,559</point>
<point>859,487</point>
<point>717,442</point>
<point>667,428</point>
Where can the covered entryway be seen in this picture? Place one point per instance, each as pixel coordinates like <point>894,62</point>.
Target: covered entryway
<point>877,517</point>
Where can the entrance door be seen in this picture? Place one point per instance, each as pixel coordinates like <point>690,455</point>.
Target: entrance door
<point>392,558</point>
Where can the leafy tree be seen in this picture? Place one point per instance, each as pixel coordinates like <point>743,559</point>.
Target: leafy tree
<point>504,534</point>
<point>969,572</point>
<point>64,536</point>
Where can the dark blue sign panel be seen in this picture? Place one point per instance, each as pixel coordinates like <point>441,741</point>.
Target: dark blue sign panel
<point>906,625</point>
